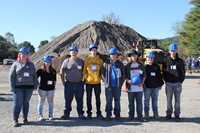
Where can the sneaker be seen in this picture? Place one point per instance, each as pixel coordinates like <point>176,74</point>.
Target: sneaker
<point>100,116</point>
<point>130,118</point>
<point>41,118</point>
<point>65,116</point>
<point>168,117</point>
<point>108,118</point>
<point>15,123</point>
<point>51,118</point>
<point>146,116</point>
<point>156,116</point>
<point>82,117</point>
<point>89,116</point>
<point>25,121</point>
<point>118,117</point>
<point>177,118</point>
<point>141,119</point>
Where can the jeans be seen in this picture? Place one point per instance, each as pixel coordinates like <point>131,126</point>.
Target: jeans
<point>97,92</point>
<point>71,90</point>
<point>42,95</point>
<point>176,91</point>
<point>153,94</point>
<point>21,98</point>
<point>131,98</point>
<point>110,94</point>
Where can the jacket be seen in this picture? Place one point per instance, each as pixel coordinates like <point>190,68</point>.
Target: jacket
<point>154,77</point>
<point>106,69</point>
<point>173,70</point>
<point>128,75</point>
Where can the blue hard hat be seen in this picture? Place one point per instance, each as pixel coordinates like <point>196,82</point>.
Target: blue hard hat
<point>150,55</point>
<point>73,48</point>
<point>173,46</point>
<point>47,58</point>
<point>113,51</point>
<point>24,50</point>
<point>136,79</point>
<point>92,46</point>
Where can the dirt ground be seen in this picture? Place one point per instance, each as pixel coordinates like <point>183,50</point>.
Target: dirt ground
<point>190,113</point>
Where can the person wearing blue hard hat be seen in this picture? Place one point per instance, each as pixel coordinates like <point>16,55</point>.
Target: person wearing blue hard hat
<point>113,77</point>
<point>92,77</point>
<point>135,77</point>
<point>71,73</point>
<point>23,80</point>
<point>174,75</point>
<point>47,75</point>
<point>153,83</point>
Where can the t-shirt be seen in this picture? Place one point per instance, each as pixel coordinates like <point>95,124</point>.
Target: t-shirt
<point>73,69</point>
<point>47,80</point>
<point>113,76</point>
<point>135,71</point>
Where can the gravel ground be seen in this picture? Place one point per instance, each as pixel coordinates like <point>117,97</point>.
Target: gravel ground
<point>190,113</point>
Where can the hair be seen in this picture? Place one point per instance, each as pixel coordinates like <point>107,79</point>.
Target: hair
<point>20,59</point>
<point>51,69</point>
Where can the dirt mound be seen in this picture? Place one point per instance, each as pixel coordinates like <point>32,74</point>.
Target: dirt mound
<point>101,33</point>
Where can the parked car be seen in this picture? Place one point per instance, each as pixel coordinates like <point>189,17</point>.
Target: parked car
<point>8,61</point>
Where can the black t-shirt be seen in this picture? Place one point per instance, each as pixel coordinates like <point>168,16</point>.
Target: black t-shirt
<point>47,80</point>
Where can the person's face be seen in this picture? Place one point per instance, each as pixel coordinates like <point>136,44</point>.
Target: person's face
<point>113,56</point>
<point>149,60</point>
<point>23,56</point>
<point>73,53</point>
<point>47,64</point>
<point>134,57</point>
<point>172,53</point>
<point>93,51</point>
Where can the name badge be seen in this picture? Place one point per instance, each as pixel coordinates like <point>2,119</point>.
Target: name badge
<point>26,74</point>
<point>140,72</point>
<point>79,67</point>
<point>94,67</point>
<point>173,67</point>
<point>153,74</point>
<point>49,82</point>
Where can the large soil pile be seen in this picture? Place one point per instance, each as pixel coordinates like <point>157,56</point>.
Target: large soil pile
<point>101,33</point>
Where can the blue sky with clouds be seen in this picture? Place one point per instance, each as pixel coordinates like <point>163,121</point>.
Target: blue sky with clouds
<point>37,20</point>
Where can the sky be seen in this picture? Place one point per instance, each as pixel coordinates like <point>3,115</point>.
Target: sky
<point>38,20</point>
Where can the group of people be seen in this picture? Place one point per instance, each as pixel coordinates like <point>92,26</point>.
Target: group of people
<point>135,78</point>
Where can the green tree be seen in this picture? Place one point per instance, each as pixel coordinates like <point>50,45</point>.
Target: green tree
<point>190,30</point>
<point>42,43</point>
<point>10,38</point>
<point>28,45</point>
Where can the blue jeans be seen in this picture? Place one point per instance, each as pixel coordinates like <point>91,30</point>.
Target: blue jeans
<point>21,98</point>
<point>110,94</point>
<point>132,96</point>
<point>97,92</point>
<point>42,95</point>
<point>176,91</point>
<point>153,94</point>
<point>71,90</point>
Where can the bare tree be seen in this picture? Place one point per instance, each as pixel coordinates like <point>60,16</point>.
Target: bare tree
<point>111,18</point>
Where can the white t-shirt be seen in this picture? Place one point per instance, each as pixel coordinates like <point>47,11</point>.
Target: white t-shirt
<point>135,71</point>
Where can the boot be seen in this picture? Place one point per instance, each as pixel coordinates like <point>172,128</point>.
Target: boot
<point>156,116</point>
<point>16,124</point>
<point>25,121</point>
<point>146,116</point>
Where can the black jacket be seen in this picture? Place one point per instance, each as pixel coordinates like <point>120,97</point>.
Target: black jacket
<point>154,77</point>
<point>173,75</point>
